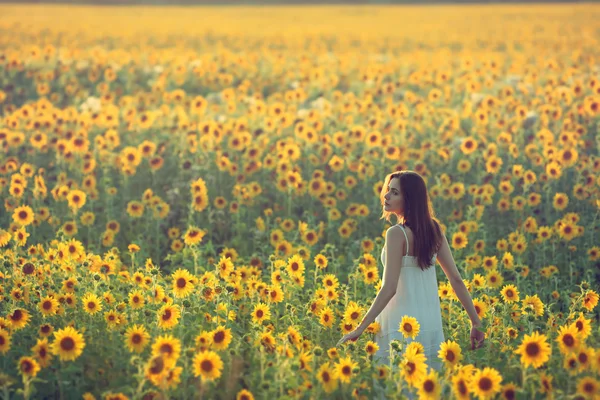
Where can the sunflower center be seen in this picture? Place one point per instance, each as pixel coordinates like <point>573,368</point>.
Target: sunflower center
<point>568,340</point>
<point>157,366</point>
<point>219,337</point>
<point>181,283</point>
<point>206,365</point>
<point>17,315</point>
<point>166,348</point>
<point>429,386</point>
<point>407,327</point>
<point>532,349</point>
<point>26,366</point>
<point>485,384</point>
<point>67,344</point>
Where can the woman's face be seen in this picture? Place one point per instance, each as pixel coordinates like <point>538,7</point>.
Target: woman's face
<point>394,201</point>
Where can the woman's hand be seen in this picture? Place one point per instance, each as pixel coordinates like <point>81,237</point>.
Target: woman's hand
<point>354,335</point>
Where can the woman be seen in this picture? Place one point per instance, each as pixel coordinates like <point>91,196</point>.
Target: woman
<point>409,284</point>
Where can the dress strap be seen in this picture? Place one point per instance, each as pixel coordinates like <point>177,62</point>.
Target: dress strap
<point>405,237</point>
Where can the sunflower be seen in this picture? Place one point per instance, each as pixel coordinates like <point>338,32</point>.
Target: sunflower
<point>275,294</point>
<point>330,281</point>
<point>260,313</point>
<point>534,350</point>
<point>112,318</point>
<point>295,266</point>
<point>42,353</point>
<point>344,369</point>
<point>156,369</point>
<point>450,353</point>
<point>28,367</point>
<point>136,338</point>
<point>168,346</point>
<point>221,337</point>
<point>136,299</point>
<point>326,317</point>
<point>5,341</point>
<point>91,303</point>
<point>207,365</point>
<point>588,387</point>
<point>585,358</point>
<point>583,325</point>
<point>68,344</point>
<point>480,307</point>
<point>182,283</point>
<point>18,318</point>
<point>590,300</point>
<point>568,339</point>
<point>23,215</point>
<point>327,376</point>
<point>560,201</point>
<point>509,391</point>
<point>4,237</point>
<point>48,306</point>
<point>510,294</point>
<point>485,382</point>
<point>459,240</point>
<point>76,199</point>
<point>533,302</point>
<point>468,145</point>
<point>371,347</point>
<point>353,312</point>
<point>371,275</point>
<point>413,367</point>
<point>168,316</point>
<point>494,279</point>
<point>409,327</point>
<point>429,387</point>
<point>546,386</point>
<point>193,236</point>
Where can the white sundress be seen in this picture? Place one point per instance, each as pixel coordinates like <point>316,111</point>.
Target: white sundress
<point>416,296</point>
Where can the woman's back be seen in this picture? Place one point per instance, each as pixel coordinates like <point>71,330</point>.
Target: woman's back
<point>416,296</point>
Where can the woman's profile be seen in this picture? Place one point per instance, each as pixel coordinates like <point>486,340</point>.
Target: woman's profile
<point>409,284</point>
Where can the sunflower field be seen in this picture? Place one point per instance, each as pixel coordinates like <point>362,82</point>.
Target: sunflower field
<point>190,198</point>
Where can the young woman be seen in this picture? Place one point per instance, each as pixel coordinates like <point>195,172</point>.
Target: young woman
<point>409,285</point>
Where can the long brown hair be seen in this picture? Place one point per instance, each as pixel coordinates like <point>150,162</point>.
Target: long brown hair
<point>418,215</point>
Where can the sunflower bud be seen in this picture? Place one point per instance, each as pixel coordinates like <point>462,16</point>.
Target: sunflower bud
<point>454,325</point>
<point>530,317</point>
<point>272,258</point>
<point>355,370</point>
<point>97,277</point>
<point>317,351</point>
<point>186,303</point>
<point>265,385</point>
